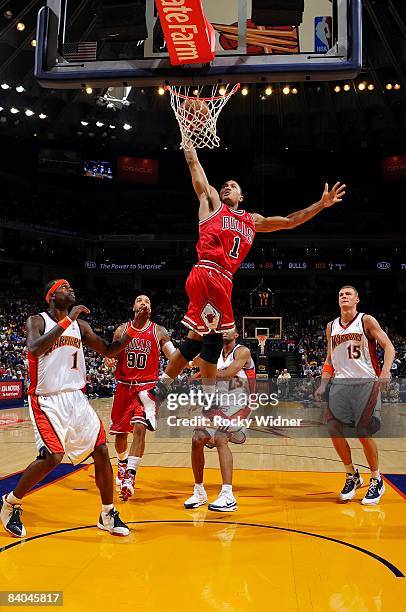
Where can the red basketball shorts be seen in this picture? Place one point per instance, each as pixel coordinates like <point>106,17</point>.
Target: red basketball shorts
<point>209,288</point>
<point>127,408</point>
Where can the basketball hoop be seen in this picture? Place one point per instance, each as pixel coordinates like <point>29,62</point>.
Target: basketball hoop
<point>197,114</point>
<point>261,342</point>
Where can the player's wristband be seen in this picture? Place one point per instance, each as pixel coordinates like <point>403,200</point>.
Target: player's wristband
<point>131,331</point>
<point>64,323</point>
<point>328,368</point>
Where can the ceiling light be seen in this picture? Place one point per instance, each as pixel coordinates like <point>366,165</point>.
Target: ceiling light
<point>294,90</point>
<point>397,86</point>
<point>127,126</point>
<point>371,87</point>
<point>112,127</point>
<point>286,90</point>
<point>14,111</point>
<point>361,86</point>
<point>161,91</point>
<point>388,86</point>
<point>347,87</point>
<point>222,90</point>
<point>29,112</point>
<point>99,123</point>
<point>1,108</point>
<point>89,90</point>
<point>20,26</point>
<point>20,88</point>
<point>33,43</point>
<point>5,86</point>
<point>268,91</point>
<point>244,91</point>
<point>42,116</point>
<point>84,123</point>
<point>337,89</point>
<point>8,14</point>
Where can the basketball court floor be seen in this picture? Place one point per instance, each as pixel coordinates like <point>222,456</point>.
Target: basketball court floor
<point>290,546</point>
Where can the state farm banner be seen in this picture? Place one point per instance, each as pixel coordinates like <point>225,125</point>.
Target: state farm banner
<point>11,393</point>
<point>137,170</point>
<point>394,168</point>
<point>189,37</point>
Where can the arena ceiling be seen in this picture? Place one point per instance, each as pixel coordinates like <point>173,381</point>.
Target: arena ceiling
<point>372,112</point>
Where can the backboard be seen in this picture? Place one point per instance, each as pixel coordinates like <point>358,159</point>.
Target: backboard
<point>252,327</point>
<point>124,45</point>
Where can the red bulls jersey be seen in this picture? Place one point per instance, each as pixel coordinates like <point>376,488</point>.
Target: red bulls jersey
<point>225,238</point>
<point>139,361</point>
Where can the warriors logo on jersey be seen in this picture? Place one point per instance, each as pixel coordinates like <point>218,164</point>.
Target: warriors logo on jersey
<point>353,355</point>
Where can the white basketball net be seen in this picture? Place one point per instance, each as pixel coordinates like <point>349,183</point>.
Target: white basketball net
<point>197,113</point>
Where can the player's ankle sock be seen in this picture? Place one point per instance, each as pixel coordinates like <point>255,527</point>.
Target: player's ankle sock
<point>133,463</point>
<point>122,456</point>
<point>199,487</point>
<point>228,489</point>
<point>166,380</point>
<point>350,469</point>
<point>107,507</point>
<point>376,474</point>
<point>13,500</point>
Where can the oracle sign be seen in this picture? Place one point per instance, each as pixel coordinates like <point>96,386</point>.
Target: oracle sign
<point>394,168</point>
<point>137,170</point>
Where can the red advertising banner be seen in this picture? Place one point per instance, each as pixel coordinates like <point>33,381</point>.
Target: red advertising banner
<point>189,37</point>
<point>394,168</point>
<point>137,170</point>
<point>11,390</point>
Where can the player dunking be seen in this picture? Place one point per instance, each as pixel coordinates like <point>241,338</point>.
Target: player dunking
<point>63,420</point>
<point>354,397</point>
<point>226,234</point>
<point>136,372</point>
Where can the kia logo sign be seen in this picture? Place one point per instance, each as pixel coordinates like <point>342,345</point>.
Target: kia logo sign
<point>384,265</point>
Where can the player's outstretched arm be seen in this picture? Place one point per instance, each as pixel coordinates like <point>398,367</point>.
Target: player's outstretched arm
<point>208,196</point>
<point>111,362</point>
<point>111,349</point>
<point>39,343</point>
<point>273,224</point>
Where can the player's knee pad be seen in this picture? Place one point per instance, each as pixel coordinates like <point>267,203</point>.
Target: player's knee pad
<point>190,348</point>
<point>211,347</point>
<point>366,430</point>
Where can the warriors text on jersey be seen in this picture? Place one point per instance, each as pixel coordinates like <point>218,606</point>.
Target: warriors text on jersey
<point>225,238</point>
<point>353,355</point>
<point>139,361</point>
<point>62,367</point>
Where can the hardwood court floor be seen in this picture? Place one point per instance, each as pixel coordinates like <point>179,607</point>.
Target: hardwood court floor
<point>290,546</point>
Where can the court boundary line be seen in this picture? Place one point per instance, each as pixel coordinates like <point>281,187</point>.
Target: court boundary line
<point>392,568</point>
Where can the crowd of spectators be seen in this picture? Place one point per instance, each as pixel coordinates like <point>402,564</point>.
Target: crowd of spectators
<point>303,335</point>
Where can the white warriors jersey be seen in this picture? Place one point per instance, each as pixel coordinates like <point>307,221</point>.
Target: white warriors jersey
<point>62,367</point>
<point>243,382</point>
<point>352,354</point>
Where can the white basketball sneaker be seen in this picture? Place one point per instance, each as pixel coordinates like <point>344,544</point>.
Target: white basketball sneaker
<point>225,502</point>
<point>11,518</point>
<point>199,498</point>
<point>111,522</point>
